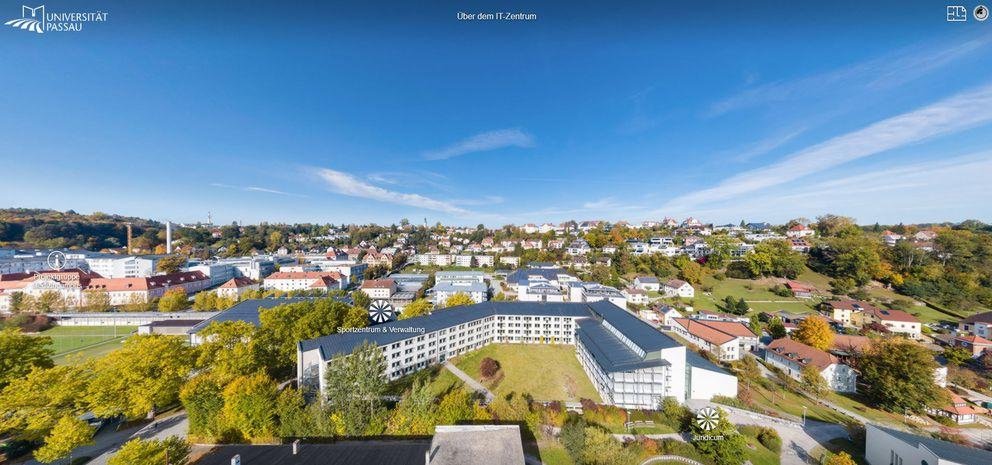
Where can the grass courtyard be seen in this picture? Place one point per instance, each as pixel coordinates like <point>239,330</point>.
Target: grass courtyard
<point>72,343</point>
<point>546,372</point>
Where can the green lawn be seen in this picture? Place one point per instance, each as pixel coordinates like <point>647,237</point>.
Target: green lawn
<point>546,372</point>
<point>781,402</point>
<point>440,381</point>
<point>756,292</point>
<point>72,343</point>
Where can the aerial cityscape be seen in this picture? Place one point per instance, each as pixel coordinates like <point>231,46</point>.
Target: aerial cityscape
<point>498,233</point>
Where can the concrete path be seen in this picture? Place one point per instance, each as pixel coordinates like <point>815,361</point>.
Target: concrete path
<point>798,441</point>
<point>471,382</point>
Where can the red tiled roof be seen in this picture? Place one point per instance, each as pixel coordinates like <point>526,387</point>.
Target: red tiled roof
<point>304,275</point>
<point>714,332</point>
<point>894,315</point>
<point>801,353</point>
<point>974,340</point>
<point>378,283</point>
<point>796,286</point>
<point>235,283</point>
<point>979,318</point>
<point>849,342</point>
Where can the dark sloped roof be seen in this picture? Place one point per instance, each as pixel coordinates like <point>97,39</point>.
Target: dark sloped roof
<point>644,335</point>
<point>410,452</point>
<point>945,450</point>
<point>611,354</point>
<point>551,274</point>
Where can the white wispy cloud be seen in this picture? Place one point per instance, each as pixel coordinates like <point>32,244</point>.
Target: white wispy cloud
<point>483,142</point>
<point>762,146</point>
<point>347,184</point>
<point>263,190</point>
<point>951,189</point>
<point>891,70</point>
<point>957,113</point>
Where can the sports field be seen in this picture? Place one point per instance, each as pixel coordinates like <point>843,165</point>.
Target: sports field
<point>82,342</point>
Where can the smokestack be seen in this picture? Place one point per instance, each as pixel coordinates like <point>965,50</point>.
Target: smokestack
<point>168,237</point>
<point>129,238</point>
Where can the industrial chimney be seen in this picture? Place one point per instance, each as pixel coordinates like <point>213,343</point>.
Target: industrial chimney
<point>168,237</point>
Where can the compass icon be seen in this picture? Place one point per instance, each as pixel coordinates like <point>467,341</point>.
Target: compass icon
<point>56,260</point>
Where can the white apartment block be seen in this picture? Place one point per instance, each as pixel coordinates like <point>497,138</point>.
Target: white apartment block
<point>631,364</point>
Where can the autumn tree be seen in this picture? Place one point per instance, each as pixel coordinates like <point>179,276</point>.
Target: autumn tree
<point>96,300</point>
<point>67,434</point>
<point>230,349</point>
<point>842,458</point>
<point>813,382</point>
<point>172,450</point>
<point>283,326</point>
<point>20,353</point>
<point>361,299</point>
<point>814,331</point>
<point>173,300</point>
<point>355,385</point>
<point>203,400</point>
<point>899,375</point>
<point>171,263</point>
<point>144,375</point>
<point>728,451</point>
<point>416,308</point>
<point>458,299</point>
<point>34,403</point>
<point>250,406</point>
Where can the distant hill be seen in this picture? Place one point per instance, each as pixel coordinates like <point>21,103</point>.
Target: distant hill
<point>44,228</point>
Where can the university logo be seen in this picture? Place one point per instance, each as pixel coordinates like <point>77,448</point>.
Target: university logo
<point>32,19</point>
<point>707,418</point>
<point>40,21</point>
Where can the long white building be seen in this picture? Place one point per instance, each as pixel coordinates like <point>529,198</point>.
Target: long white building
<point>630,363</point>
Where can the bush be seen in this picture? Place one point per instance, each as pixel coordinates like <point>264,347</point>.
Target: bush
<point>488,367</point>
<point>768,437</point>
<point>731,401</point>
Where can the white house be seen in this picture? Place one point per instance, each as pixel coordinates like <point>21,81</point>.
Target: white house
<point>444,289</point>
<point>636,296</point>
<point>793,356</point>
<point>799,231</point>
<point>647,283</point>
<point>727,340</point>
<point>379,289</point>
<point>578,247</point>
<point>678,288</point>
<point>236,287</point>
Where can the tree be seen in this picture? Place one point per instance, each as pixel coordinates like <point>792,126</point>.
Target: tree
<point>573,437</point>
<point>34,403</point>
<point>69,433</point>
<point>728,451</point>
<point>171,263</point>
<point>173,300</point>
<point>230,349</point>
<point>145,374</point>
<point>814,331</point>
<point>601,448</point>
<point>203,400</point>
<point>458,299</point>
<point>172,450</point>
<point>416,308</point>
<point>899,375</point>
<point>813,382</point>
<point>19,354</point>
<point>96,300</point>
<point>355,385</point>
<point>842,458</point>
<point>48,301</point>
<point>488,367</point>
<point>283,326</point>
<point>776,328</point>
<point>250,406</point>
<point>956,355</point>
<point>361,299</point>
<point>689,270</point>
<point>754,323</point>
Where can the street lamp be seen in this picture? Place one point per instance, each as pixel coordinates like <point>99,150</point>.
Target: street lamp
<point>804,416</point>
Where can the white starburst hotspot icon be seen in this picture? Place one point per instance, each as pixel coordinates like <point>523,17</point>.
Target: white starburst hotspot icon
<point>380,311</point>
<point>32,19</point>
<point>707,418</point>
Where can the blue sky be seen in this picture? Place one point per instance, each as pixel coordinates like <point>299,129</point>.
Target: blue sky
<point>328,112</point>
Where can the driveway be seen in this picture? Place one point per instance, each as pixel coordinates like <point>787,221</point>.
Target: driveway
<point>797,441</point>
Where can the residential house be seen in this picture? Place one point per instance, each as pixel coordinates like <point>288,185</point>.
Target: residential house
<point>977,345</point>
<point>800,290</point>
<point>479,292</point>
<point>958,410</point>
<point>578,247</point>
<point>727,340</point>
<point>678,288</point>
<point>647,283</point>
<point>800,245</point>
<point>848,312</point>
<point>512,261</point>
<point>890,238</point>
<point>897,321</point>
<point>485,261</point>
<point>793,356</point>
<point>800,231</point>
<point>594,292</point>
<point>636,296</point>
<point>979,324</point>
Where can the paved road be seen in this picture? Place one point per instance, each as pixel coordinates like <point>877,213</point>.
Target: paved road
<point>475,385</point>
<point>108,441</point>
